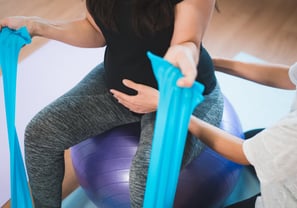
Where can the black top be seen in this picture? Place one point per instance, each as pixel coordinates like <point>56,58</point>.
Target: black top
<point>125,54</point>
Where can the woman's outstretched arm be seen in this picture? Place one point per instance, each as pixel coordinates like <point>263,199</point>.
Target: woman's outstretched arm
<point>81,32</point>
<point>191,20</point>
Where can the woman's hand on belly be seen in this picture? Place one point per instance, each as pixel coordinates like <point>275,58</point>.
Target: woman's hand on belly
<point>145,101</point>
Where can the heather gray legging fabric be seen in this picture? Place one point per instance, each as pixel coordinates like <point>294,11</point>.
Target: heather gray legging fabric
<point>87,110</point>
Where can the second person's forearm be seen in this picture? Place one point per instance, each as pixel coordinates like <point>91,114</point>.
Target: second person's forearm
<point>220,141</point>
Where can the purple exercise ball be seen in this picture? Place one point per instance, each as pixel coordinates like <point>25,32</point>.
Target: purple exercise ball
<point>102,165</point>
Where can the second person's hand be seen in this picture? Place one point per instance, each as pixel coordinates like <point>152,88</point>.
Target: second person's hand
<point>145,101</point>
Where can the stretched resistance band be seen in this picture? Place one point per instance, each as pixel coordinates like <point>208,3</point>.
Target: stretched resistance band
<point>175,107</point>
<point>11,42</point>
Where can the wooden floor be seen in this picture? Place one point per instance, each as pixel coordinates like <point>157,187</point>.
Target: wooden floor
<point>263,28</point>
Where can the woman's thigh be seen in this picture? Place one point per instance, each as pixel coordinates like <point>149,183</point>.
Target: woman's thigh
<point>86,110</point>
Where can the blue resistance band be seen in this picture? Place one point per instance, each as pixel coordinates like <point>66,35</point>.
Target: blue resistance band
<point>11,42</point>
<point>175,107</point>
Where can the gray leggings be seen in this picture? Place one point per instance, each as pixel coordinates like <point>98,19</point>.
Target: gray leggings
<point>87,110</point>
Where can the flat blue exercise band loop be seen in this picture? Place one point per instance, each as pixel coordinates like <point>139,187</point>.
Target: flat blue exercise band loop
<point>11,42</point>
<point>175,107</point>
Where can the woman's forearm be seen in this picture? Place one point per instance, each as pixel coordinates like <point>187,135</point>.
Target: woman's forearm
<point>220,141</point>
<point>80,32</point>
<point>191,20</point>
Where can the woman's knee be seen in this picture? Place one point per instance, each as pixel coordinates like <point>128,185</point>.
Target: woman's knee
<point>40,132</point>
<point>32,131</point>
